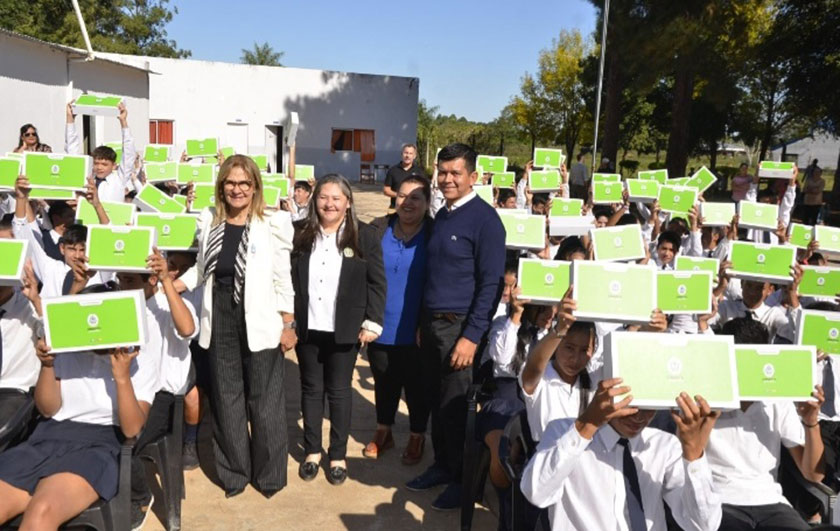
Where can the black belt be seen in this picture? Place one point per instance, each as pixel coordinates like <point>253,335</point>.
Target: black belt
<point>446,316</point>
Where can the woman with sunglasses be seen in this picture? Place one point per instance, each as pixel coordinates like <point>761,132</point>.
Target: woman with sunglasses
<point>30,141</point>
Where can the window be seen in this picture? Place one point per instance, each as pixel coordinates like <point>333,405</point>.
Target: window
<point>342,140</point>
<point>160,131</point>
<point>358,140</point>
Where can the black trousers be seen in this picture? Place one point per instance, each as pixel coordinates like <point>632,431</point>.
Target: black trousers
<point>830,432</point>
<point>10,403</point>
<point>157,425</point>
<point>245,386</point>
<point>326,368</point>
<point>777,517</point>
<point>395,367</point>
<point>810,214</point>
<point>445,389</point>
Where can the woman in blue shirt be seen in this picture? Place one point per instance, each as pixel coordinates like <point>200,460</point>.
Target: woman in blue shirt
<point>394,357</point>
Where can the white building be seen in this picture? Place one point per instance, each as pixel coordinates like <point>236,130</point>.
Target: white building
<point>803,151</point>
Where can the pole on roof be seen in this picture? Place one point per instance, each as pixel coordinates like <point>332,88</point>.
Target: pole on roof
<point>90,56</point>
<point>600,81</point>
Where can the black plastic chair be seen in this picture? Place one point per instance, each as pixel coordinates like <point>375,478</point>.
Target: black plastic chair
<point>16,428</point>
<point>824,494</point>
<point>476,460</point>
<point>515,449</point>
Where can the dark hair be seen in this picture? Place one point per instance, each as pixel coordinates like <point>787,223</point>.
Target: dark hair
<point>188,254</point>
<point>585,326</point>
<point>823,306</point>
<point>539,199</point>
<point>512,266</point>
<point>58,209</point>
<point>671,237</point>
<point>677,225</point>
<point>23,129</point>
<point>305,238</point>
<point>767,193</point>
<point>104,153</point>
<point>100,288</point>
<point>579,157</point>
<point>747,331</point>
<point>459,151</point>
<point>6,221</point>
<point>303,185</point>
<point>423,181</point>
<point>75,233</point>
<point>523,337</point>
<point>627,219</point>
<point>599,211</point>
<point>815,259</point>
<point>504,195</point>
<point>569,246</point>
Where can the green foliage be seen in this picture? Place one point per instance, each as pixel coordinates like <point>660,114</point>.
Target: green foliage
<point>262,54</point>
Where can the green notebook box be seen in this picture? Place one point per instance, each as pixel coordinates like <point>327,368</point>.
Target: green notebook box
<point>561,207</point>
<point>484,191</point>
<point>776,170</point>
<point>618,243</point>
<point>181,199</point>
<point>678,181</point>
<point>280,183</point>
<point>702,179</point>
<point>763,262</point>
<point>260,160</point>
<point>228,152</point>
<point>97,105</point>
<point>272,197</point>
<point>660,176</point>
<point>197,173</point>
<point>717,214</point>
<point>613,291</point>
<point>776,372</point>
<point>606,178</point>
<point>304,172</point>
<point>492,164</point>
<point>658,367</point>
<point>642,190</point>
<point>505,179</point>
<point>205,196</point>
<point>112,248</point>
<point>13,255</point>
<point>570,225</point>
<point>800,235</point>
<point>604,193</point>
<point>543,281</point>
<point>56,170</point>
<point>203,147</point>
<point>156,153</point>
<point>152,199</point>
<point>158,172</point>
<point>684,292</point>
<point>95,321</point>
<point>692,263</point>
<point>523,231</point>
<point>678,199</point>
<point>819,329</point>
<point>52,194</point>
<point>819,282</point>
<point>10,170</point>
<point>174,232</point>
<point>118,149</point>
<point>829,238</point>
<point>119,214</point>
<point>548,158</point>
<point>762,216</point>
<point>13,155</point>
<point>544,181</point>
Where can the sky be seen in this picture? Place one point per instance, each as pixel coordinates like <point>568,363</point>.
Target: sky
<point>468,54</point>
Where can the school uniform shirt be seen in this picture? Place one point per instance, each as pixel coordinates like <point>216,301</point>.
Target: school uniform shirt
<point>779,321</point>
<point>175,349</point>
<point>554,399</point>
<point>785,209</point>
<point>582,481</point>
<point>521,198</point>
<point>7,203</point>
<point>112,188</point>
<point>744,448</point>
<point>501,345</point>
<point>602,330</point>
<point>835,371</point>
<point>19,329</point>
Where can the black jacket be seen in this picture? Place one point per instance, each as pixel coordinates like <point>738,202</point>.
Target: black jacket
<point>361,288</point>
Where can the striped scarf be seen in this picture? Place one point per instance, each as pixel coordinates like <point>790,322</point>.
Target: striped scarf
<point>214,249</point>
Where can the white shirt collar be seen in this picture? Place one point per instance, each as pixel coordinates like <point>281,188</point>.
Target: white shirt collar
<point>463,201</point>
<point>609,437</point>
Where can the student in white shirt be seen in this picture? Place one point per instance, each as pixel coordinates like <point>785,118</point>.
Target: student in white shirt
<point>745,445</point>
<point>90,401</point>
<point>715,242</point>
<point>608,470</point>
<point>111,179</point>
<point>19,326</point>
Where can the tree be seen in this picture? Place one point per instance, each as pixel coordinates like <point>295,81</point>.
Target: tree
<point>426,128</point>
<point>262,54</point>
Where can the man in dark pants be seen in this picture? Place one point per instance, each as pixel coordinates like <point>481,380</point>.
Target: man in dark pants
<point>465,271</point>
<point>399,172</point>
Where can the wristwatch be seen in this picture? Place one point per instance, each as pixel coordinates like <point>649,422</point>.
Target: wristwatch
<point>290,325</point>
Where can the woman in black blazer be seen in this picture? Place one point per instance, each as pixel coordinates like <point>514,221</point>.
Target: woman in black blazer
<point>339,282</point>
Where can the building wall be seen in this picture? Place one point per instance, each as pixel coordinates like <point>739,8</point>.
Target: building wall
<point>822,147</point>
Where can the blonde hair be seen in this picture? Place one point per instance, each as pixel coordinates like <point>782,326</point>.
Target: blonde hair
<point>250,168</point>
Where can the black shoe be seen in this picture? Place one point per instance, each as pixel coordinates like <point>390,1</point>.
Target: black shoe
<point>449,499</point>
<point>308,470</point>
<point>230,493</point>
<point>337,475</point>
<point>432,477</point>
<point>189,456</point>
<point>139,512</point>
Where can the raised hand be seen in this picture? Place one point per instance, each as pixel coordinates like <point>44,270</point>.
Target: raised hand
<point>603,407</point>
<point>694,421</point>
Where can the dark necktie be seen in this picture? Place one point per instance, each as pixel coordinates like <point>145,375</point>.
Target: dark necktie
<point>98,181</point>
<point>68,283</point>
<point>635,509</point>
<point>828,408</point>
<point>2,313</point>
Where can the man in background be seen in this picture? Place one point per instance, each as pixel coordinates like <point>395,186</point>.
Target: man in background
<point>398,173</point>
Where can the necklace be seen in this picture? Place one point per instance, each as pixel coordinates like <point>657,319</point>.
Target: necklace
<point>402,234</point>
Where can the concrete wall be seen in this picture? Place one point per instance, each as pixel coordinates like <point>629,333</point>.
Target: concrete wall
<point>822,147</point>
<point>208,98</point>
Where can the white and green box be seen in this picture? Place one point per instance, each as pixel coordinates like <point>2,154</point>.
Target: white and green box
<point>272,196</point>
<point>205,196</point>
<point>492,164</point>
<point>642,190</point>
<point>118,149</point>
<point>97,105</point>
<point>10,170</point>
<point>763,262</point>
<point>604,193</point>
<point>776,170</point>
<point>174,232</point>
<point>562,207</point>
<point>696,263</point>
<point>156,153</point>
<point>829,238</point>
<point>260,160</point>
<point>158,172</point>
<point>152,199</point>
<point>660,176</point>
<point>544,181</point>
<point>505,179</point>
<point>118,213</point>
<point>613,291</point>
<point>677,199</point>
<point>13,255</point>
<point>762,216</point>
<point>548,158</point>
<point>717,214</point>
<point>484,191</point>
<point>658,367</point>
<point>96,321</point>
<point>13,155</point>
<point>181,199</point>
<point>819,281</point>
<point>678,181</point>
<point>203,147</point>
<point>606,178</point>
<point>52,194</point>
<point>57,170</point>
<point>523,231</point>
<point>570,225</point>
<point>543,281</point>
<point>702,179</point>
<point>776,372</point>
<point>800,235</point>
<point>280,183</point>
<point>112,248</point>
<point>228,152</point>
<point>197,173</point>
<point>304,172</point>
<point>618,243</point>
<point>820,329</point>
<point>684,292</point>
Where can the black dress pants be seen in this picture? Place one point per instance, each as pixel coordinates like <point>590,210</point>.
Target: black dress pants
<point>394,368</point>
<point>157,425</point>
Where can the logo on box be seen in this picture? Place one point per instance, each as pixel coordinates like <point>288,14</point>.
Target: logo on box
<point>760,258</point>
<point>615,288</point>
<point>549,278</point>
<point>119,246</point>
<point>675,367</point>
<point>93,320</point>
<point>54,169</point>
<point>165,230</point>
<point>833,333</point>
<point>681,290</point>
<point>769,370</point>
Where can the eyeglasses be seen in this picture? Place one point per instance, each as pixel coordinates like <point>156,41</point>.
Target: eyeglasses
<point>27,135</point>
<point>242,185</point>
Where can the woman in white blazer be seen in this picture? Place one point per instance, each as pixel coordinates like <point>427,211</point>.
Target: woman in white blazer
<point>247,311</point>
